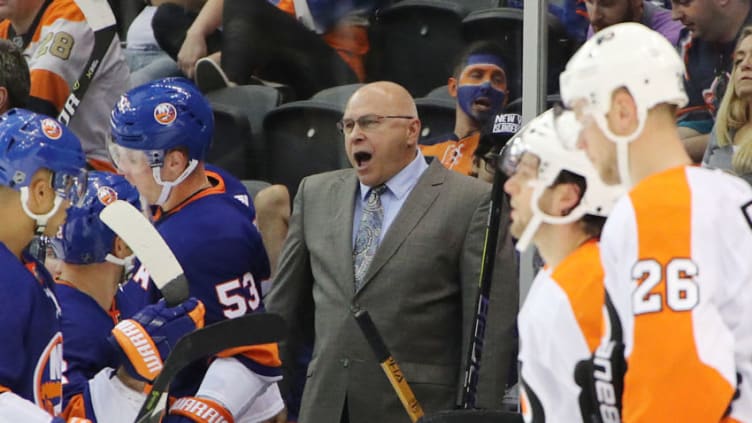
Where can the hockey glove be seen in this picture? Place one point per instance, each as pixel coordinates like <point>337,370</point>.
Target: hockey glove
<point>197,409</point>
<point>146,339</point>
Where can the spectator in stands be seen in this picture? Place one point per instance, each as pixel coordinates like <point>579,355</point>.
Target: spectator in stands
<point>571,14</point>
<point>308,50</point>
<point>417,274</point>
<point>146,59</point>
<point>707,45</point>
<point>480,85</point>
<point>62,48</point>
<point>14,77</point>
<point>604,13</point>
<point>730,146</point>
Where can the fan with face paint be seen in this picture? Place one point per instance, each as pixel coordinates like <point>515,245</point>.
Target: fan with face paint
<point>482,87</point>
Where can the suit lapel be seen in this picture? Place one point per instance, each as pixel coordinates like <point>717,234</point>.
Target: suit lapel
<point>415,207</point>
<point>342,202</point>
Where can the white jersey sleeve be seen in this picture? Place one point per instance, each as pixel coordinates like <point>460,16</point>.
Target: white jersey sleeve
<point>16,409</point>
<point>249,396</point>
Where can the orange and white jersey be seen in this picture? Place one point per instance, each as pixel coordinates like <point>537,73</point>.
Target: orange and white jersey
<point>559,325</point>
<point>676,254</point>
<point>58,52</point>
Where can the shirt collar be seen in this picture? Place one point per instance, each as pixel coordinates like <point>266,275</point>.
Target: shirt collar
<point>401,183</point>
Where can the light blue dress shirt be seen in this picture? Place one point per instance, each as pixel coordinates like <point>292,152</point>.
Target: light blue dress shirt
<point>398,188</point>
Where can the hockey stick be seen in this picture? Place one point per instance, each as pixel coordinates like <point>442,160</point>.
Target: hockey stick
<point>149,246</point>
<point>389,365</point>
<point>472,368</point>
<point>250,329</point>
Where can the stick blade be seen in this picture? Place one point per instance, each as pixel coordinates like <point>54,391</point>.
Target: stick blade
<point>142,237</point>
<point>250,329</point>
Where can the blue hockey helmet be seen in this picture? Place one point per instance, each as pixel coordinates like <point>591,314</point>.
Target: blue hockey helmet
<point>84,238</point>
<point>29,142</point>
<point>161,115</point>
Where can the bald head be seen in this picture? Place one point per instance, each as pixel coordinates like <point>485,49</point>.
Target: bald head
<point>381,131</point>
<point>389,96</point>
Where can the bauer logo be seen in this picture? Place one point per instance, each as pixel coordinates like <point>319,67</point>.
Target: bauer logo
<point>51,129</point>
<point>106,195</point>
<point>165,113</point>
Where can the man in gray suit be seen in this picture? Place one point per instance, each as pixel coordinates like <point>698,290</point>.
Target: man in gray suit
<point>418,278</point>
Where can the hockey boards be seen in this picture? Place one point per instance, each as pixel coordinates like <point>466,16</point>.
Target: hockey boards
<point>149,246</point>
<point>250,329</point>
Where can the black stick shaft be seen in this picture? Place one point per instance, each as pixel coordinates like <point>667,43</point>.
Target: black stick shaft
<point>475,351</point>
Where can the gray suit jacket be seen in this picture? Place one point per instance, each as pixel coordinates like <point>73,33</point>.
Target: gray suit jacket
<point>420,290</point>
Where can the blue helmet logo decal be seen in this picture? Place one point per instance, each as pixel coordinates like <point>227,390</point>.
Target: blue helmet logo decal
<point>51,129</point>
<point>165,113</point>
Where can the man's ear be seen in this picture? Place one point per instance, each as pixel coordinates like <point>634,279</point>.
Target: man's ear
<point>4,101</point>
<point>452,86</point>
<point>41,194</point>
<point>121,249</point>
<point>567,197</point>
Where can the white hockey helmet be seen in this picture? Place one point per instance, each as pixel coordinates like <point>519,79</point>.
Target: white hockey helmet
<point>552,137</point>
<point>628,55</point>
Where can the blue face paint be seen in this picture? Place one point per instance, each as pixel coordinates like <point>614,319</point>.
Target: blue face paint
<point>467,94</point>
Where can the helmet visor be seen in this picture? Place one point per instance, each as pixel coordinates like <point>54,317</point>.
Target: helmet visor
<point>70,185</point>
<point>127,159</point>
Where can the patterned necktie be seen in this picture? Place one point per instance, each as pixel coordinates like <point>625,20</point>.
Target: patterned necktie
<point>369,231</point>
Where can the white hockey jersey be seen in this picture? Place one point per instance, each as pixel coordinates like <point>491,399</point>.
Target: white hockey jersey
<point>559,325</point>
<point>677,254</point>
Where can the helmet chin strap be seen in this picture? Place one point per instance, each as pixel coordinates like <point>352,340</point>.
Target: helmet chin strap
<point>168,185</point>
<point>40,220</point>
<point>622,143</point>
<point>540,217</point>
<point>126,262</point>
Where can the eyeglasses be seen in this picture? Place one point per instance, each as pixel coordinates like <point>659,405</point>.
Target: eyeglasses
<point>365,122</point>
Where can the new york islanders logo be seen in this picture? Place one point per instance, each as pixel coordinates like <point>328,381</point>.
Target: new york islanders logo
<point>48,374</point>
<point>51,129</point>
<point>106,195</point>
<point>165,113</point>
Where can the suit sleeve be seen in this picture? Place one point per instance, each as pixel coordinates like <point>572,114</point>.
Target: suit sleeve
<point>291,296</point>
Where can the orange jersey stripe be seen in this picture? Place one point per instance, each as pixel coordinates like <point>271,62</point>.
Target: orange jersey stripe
<point>264,354</point>
<point>580,276</point>
<point>49,86</point>
<point>76,408</point>
<point>666,380</point>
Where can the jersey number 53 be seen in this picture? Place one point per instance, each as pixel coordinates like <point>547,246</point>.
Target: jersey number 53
<point>238,296</point>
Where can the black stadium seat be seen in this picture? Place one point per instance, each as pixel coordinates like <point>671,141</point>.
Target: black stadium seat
<point>415,43</point>
<point>303,139</point>
<point>239,144</point>
<point>436,115</point>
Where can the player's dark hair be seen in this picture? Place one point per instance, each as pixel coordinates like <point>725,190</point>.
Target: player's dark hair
<point>480,47</point>
<point>14,74</point>
<point>591,224</point>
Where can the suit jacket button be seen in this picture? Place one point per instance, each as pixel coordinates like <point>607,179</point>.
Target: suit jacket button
<point>345,362</point>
